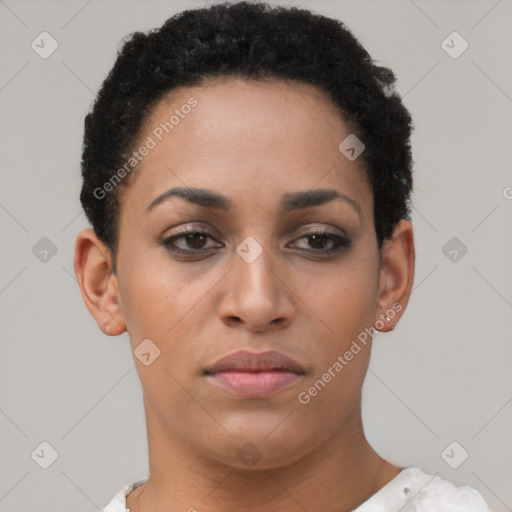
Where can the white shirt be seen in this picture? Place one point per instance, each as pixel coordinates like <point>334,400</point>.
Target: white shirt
<point>411,490</point>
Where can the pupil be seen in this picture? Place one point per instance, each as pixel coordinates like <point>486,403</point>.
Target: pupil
<point>196,237</point>
<point>318,240</point>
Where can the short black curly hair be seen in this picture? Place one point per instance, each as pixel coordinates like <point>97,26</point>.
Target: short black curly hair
<point>251,40</point>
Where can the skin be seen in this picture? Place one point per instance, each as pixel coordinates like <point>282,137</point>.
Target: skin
<point>251,141</point>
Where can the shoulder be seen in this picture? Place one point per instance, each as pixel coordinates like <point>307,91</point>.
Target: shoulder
<point>118,502</point>
<point>442,495</point>
<point>412,490</point>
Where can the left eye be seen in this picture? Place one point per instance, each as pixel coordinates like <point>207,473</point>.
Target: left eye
<point>324,243</point>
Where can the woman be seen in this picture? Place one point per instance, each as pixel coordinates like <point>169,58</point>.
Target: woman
<point>247,175</point>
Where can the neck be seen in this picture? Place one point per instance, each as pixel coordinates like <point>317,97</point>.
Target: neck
<point>337,477</point>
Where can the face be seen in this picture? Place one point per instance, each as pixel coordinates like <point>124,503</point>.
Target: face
<point>246,229</point>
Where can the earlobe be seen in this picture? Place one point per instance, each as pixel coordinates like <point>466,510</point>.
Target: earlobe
<point>396,275</point>
<point>97,282</point>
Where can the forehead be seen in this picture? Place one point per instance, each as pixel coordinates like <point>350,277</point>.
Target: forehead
<point>247,138</point>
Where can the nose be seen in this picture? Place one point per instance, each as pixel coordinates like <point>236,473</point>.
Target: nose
<point>256,295</point>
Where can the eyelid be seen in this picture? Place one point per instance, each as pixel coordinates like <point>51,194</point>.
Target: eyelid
<point>324,228</point>
<point>339,236</point>
<point>184,229</point>
<point>210,231</point>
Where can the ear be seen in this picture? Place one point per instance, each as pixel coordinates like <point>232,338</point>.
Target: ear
<point>396,275</point>
<point>97,282</point>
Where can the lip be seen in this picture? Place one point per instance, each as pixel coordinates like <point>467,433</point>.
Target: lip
<point>255,375</point>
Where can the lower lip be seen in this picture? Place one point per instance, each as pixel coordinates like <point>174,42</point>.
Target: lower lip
<point>256,384</point>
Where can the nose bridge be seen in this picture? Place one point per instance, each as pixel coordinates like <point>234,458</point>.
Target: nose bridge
<point>253,268</point>
<point>256,294</point>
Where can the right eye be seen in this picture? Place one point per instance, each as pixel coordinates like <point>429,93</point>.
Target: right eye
<point>191,241</point>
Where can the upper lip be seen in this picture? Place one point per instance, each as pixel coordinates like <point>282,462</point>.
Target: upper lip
<point>245,361</point>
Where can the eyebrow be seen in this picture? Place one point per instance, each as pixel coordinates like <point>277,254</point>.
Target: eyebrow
<point>290,201</point>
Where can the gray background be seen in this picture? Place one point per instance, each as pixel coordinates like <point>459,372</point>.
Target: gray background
<point>443,375</point>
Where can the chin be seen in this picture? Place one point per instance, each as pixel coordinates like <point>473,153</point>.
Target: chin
<point>264,449</point>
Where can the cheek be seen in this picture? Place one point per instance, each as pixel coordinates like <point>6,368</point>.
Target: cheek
<point>164,304</point>
<point>346,305</point>
<point>151,298</point>
<point>157,306</point>
<point>344,298</point>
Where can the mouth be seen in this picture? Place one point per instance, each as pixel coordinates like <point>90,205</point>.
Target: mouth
<point>255,375</point>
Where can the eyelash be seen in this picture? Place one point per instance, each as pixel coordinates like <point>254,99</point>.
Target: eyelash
<point>338,241</point>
